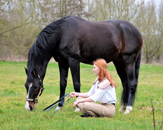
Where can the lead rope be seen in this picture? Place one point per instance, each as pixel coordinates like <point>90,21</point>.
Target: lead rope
<point>55,103</point>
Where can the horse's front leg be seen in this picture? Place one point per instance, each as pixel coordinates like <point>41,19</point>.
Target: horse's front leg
<point>63,69</point>
<point>75,71</point>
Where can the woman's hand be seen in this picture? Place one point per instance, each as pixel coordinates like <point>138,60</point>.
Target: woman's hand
<point>75,104</point>
<point>72,94</point>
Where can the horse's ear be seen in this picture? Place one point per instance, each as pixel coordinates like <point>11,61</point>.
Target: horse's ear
<point>34,73</point>
<point>26,71</point>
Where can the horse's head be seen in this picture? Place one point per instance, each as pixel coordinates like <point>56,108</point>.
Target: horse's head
<point>34,87</point>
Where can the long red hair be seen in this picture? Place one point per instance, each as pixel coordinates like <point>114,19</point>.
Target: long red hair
<point>104,73</point>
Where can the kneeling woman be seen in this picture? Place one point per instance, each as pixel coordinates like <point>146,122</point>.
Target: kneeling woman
<point>102,91</point>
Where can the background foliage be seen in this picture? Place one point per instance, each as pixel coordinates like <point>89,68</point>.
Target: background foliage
<point>22,20</point>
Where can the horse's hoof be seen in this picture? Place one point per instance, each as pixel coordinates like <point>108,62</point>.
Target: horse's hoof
<point>123,108</point>
<point>58,108</point>
<point>77,109</point>
<point>128,109</point>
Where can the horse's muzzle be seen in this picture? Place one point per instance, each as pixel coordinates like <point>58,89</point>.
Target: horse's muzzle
<point>29,105</point>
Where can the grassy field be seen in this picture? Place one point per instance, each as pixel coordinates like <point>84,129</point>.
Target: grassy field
<point>13,94</point>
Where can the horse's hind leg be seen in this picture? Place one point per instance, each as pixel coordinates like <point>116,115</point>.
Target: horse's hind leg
<point>132,81</point>
<point>128,72</point>
<point>123,76</point>
<point>63,69</point>
<point>133,73</point>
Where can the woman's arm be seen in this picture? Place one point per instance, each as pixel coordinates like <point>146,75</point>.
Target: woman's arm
<point>103,87</point>
<point>74,94</point>
<point>81,101</point>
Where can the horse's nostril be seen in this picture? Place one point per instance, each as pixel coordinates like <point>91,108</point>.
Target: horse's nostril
<point>30,108</point>
<point>31,105</point>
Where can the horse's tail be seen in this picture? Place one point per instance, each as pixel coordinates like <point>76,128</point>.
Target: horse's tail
<point>137,66</point>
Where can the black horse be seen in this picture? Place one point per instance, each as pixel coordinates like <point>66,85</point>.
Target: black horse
<point>72,40</point>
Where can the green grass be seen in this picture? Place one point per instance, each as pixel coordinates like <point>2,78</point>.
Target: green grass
<point>13,94</point>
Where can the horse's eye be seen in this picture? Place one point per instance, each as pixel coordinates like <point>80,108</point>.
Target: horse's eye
<point>35,87</point>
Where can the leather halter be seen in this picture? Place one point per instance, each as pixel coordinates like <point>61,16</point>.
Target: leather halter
<point>40,92</point>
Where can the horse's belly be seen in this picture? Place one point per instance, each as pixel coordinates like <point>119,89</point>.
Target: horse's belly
<point>91,56</point>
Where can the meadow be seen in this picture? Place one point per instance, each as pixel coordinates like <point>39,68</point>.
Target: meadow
<point>13,115</point>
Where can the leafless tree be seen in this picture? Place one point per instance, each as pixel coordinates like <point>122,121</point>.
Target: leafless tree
<point>22,20</point>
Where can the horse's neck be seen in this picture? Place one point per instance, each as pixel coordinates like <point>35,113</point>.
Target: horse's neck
<point>39,63</point>
<point>42,66</point>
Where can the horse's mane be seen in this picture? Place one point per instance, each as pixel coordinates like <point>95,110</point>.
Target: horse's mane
<point>42,43</point>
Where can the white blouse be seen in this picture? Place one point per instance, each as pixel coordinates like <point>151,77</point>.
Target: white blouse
<point>102,95</point>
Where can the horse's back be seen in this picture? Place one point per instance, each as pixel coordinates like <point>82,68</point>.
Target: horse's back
<point>89,40</point>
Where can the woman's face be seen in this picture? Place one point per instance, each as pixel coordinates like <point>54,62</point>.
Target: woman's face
<point>96,70</point>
